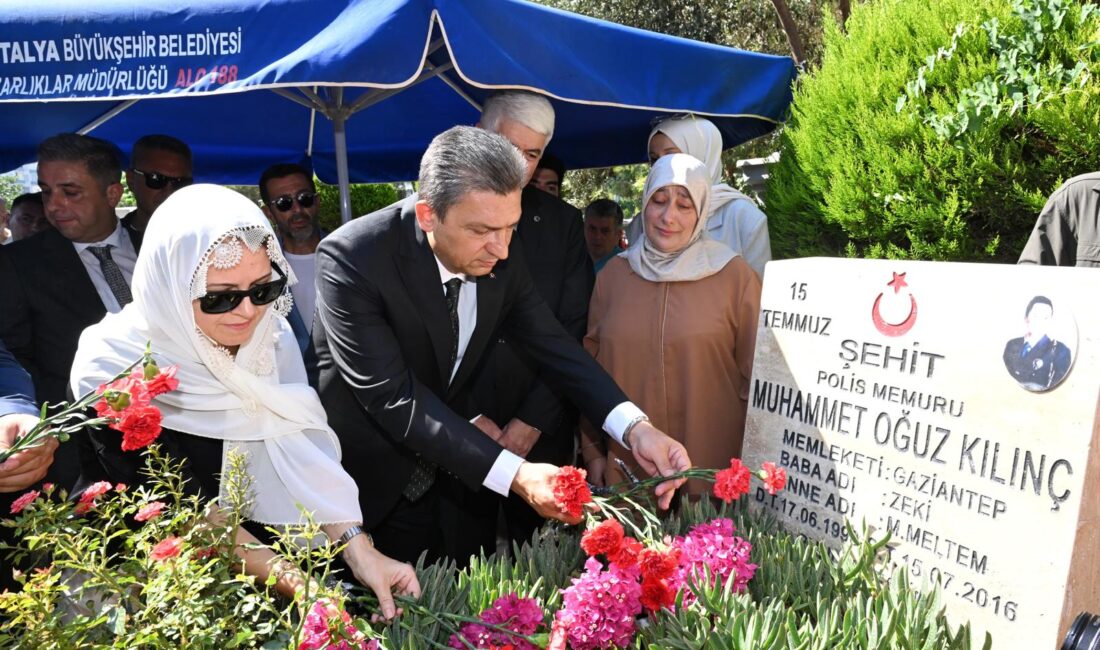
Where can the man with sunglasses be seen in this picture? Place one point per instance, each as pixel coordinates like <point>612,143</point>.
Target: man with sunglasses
<point>291,203</point>
<point>68,277</point>
<point>159,165</point>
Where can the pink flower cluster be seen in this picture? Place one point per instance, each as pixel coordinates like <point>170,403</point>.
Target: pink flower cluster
<point>598,610</point>
<point>323,628</point>
<point>714,546</point>
<point>600,607</point>
<point>520,615</point>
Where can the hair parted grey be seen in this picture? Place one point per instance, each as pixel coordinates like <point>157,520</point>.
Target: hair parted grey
<point>465,159</point>
<point>529,109</point>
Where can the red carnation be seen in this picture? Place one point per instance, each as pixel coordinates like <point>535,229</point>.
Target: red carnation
<point>626,556</point>
<point>168,548</point>
<point>775,478</point>
<point>165,381</point>
<point>140,426</point>
<point>120,395</point>
<point>571,491</point>
<point>656,594</point>
<point>657,565</point>
<point>604,539</point>
<point>730,484</point>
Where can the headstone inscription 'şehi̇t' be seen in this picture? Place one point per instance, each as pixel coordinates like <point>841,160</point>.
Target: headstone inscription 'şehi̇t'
<point>954,405</point>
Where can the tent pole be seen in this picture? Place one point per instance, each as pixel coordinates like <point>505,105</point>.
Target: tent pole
<point>339,120</point>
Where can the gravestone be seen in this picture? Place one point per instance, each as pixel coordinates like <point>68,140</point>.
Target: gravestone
<point>953,405</point>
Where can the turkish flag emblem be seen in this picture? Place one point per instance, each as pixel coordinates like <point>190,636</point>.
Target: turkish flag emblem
<point>900,316</point>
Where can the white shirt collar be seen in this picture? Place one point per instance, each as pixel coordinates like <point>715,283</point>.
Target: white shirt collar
<point>114,239</point>
<point>445,275</point>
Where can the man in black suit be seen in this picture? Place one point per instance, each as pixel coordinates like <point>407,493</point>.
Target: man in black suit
<point>66,278</point>
<point>18,415</point>
<point>409,298</point>
<point>518,408</point>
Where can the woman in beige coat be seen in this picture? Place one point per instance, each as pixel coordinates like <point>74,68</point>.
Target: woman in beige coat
<point>673,320</point>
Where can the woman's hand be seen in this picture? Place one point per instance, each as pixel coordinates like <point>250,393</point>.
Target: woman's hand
<point>384,575</point>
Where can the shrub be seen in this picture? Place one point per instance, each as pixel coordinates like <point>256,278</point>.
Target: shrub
<point>364,200</point>
<point>937,130</point>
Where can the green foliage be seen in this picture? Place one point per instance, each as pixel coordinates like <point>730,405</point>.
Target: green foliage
<point>936,130</point>
<point>101,588</point>
<point>746,24</point>
<point>10,188</point>
<point>364,200</point>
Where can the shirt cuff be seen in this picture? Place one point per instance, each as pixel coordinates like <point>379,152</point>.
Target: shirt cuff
<point>503,472</point>
<point>11,406</point>
<point>620,418</point>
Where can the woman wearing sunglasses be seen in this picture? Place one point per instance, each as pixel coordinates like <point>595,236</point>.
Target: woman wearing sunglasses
<point>210,291</point>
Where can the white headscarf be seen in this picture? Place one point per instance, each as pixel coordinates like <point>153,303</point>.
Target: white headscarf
<point>702,256</point>
<point>698,137</point>
<point>258,402</point>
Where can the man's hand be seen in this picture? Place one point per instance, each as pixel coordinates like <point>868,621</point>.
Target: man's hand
<point>29,466</point>
<point>659,454</point>
<point>488,427</point>
<point>519,437</point>
<point>534,482</point>
<point>596,469</point>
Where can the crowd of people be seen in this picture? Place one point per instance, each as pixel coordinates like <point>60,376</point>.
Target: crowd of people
<point>415,378</point>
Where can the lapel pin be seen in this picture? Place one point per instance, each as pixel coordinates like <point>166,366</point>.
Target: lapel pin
<point>537,218</point>
<point>492,276</point>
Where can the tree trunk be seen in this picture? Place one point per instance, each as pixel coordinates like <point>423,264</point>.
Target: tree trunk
<point>844,9</point>
<point>791,30</point>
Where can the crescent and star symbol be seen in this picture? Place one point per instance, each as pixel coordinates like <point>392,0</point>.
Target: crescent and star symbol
<point>895,329</point>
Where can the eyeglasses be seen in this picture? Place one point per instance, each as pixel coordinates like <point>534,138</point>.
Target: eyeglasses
<point>286,201</point>
<point>158,181</point>
<point>220,302</point>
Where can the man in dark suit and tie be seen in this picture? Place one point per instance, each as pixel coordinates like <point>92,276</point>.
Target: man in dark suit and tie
<point>66,278</point>
<point>409,298</point>
<point>518,408</point>
<point>18,416</point>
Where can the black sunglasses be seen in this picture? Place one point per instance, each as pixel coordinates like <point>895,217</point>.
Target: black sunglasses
<point>220,302</point>
<point>158,181</point>
<point>286,201</point>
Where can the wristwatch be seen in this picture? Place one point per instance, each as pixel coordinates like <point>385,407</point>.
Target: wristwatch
<point>630,427</point>
<point>352,532</point>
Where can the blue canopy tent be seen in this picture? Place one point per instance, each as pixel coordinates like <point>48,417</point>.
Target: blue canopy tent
<point>356,88</point>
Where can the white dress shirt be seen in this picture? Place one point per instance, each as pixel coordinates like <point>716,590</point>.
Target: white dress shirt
<point>305,290</point>
<point>122,252</point>
<point>504,469</point>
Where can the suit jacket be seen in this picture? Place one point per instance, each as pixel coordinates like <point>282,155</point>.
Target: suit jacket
<point>1041,367</point>
<point>382,336</point>
<point>507,383</point>
<point>16,388</point>
<point>48,300</point>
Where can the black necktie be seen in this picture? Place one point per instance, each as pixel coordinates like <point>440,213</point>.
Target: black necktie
<point>423,475</point>
<point>454,286</point>
<point>115,280</point>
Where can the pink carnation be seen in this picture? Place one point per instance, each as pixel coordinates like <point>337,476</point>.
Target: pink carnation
<point>150,511</point>
<point>94,491</point>
<point>24,501</point>
<point>714,546</point>
<point>598,610</point>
